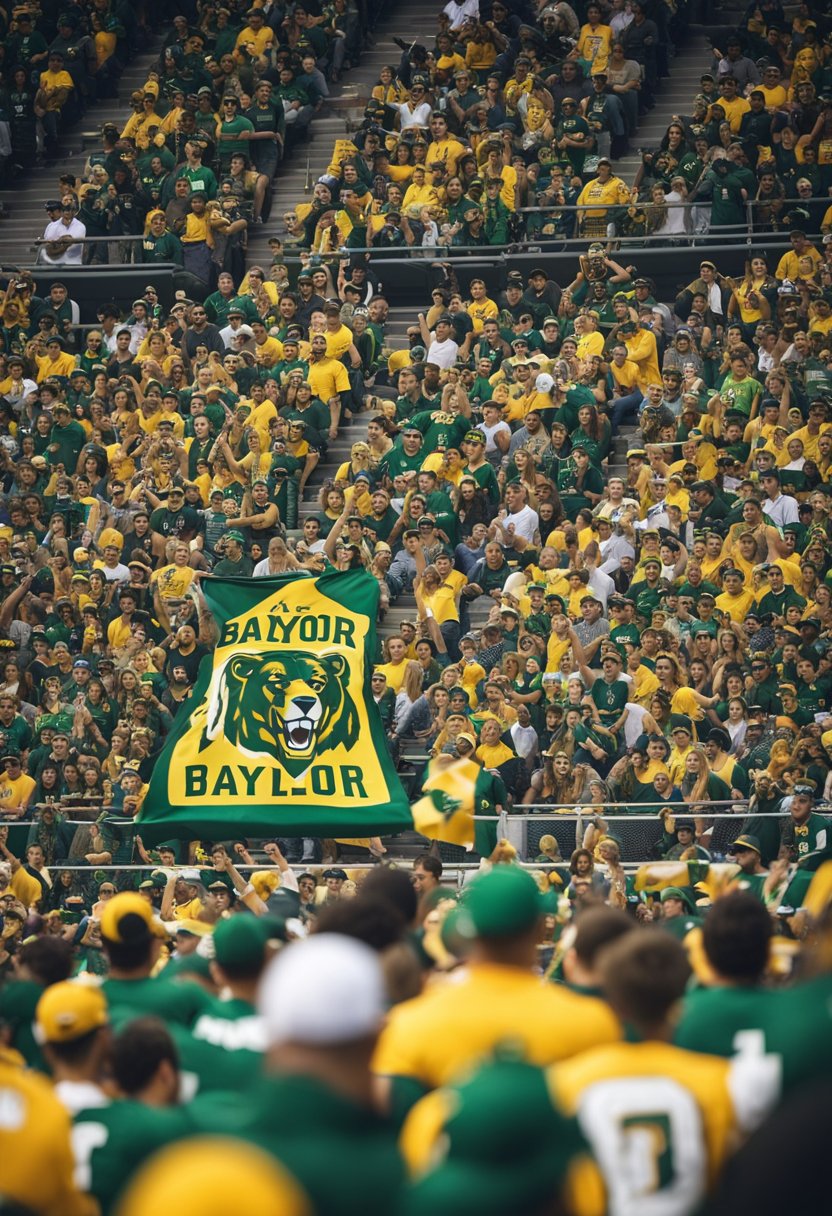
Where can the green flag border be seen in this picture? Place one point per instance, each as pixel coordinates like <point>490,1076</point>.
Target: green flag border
<point>159,820</point>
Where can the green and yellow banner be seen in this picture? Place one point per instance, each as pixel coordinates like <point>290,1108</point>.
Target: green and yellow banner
<point>284,737</point>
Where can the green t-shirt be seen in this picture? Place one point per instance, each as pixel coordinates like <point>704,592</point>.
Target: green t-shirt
<point>171,1000</point>
<point>790,1030</point>
<point>440,430</point>
<point>609,699</point>
<point>109,1143</point>
<point>330,1144</point>
<point>739,394</point>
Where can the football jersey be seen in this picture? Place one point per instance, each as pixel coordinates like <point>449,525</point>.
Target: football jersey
<point>36,1167</point>
<point>109,1143</point>
<point>660,1121</point>
<point>429,1040</point>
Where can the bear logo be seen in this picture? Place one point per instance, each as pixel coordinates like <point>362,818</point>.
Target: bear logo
<point>289,707</point>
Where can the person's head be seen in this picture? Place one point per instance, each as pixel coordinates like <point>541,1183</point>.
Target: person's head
<point>322,1002</point>
<point>426,874</point>
<point>145,1062</point>
<point>595,930</point>
<point>736,937</point>
<point>72,1027</point>
<point>643,975</point>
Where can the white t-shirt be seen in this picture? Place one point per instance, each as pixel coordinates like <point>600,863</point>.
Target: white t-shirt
<point>118,574</point>
<point>443,354</point>
<point>418,116</point>
<point>54,232</point>
<point>526,523</point>
<point>458,13</point>
<point>490,432</point>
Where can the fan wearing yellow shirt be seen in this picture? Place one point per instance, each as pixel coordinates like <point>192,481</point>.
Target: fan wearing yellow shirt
<point>327,377</point>
<point>732,102</point>
<point>590,340</point>
<point>255,39</point>
<point>789,265</point>
<point>38,1168</point>
<point>496,998</point>
<point>443,146</point>
<point>396,667</point>
<point>735,599</point>
<point>16,787</point>
<point>661,1121</point>
<point>174,580</point>
<point>480,308</point>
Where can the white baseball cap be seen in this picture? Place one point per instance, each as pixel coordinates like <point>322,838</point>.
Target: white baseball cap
<point>327,989</point>
<point>544,383</point>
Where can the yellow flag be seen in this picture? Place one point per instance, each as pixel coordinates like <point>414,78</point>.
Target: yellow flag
<point>446,810</point>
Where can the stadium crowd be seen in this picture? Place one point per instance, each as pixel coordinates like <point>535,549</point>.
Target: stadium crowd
<point>608,518</point>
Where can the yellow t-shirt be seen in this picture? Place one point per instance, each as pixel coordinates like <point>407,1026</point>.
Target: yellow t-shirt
<point>735,605</point>
<point>37,1130</point>
<point>338,342</point>
<point>679,1107</point>
<point>328,378</point>
<point>14,793</point>
<point>456,1022</point>
<point>481,311</point>
<point>394,673</point>
<point>173,581</point>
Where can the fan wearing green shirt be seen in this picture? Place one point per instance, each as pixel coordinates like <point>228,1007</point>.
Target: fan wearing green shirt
<point>737,1014</point>
<point>739,391</point>
<point>233,131</point>
<point>405,458</point>
<point>322,1003</point>
<point>112,1139</point>
<point>478,467</point>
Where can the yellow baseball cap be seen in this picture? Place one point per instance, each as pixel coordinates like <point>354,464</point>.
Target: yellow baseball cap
<point>68,1011</point>
<point>119,923</point>
<point>214,1173</point>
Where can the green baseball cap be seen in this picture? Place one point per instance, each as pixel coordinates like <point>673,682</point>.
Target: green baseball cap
<point>490,1165</point>
<point>506,900</point>
<point>234,535</point>
<point>241,941</point>
<point>676,893</point>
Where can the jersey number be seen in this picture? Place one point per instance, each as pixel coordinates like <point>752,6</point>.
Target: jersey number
<point>648,1138</point>
<point>86,1138</point>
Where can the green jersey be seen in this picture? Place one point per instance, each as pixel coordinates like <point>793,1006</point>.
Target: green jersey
<point>440,430</point>
<point>397,461</point>
<point>110,1142</point>
<point>739,394</point>
<point>610,699</point>
<point>18,1001</point>
<point>168,999</point>
<point>330,1144</point>
<point>486,479</point>
<point>790,1030</point>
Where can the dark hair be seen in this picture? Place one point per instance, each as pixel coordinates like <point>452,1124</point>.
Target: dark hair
<point>597,928</point>
<point>736,937</point>
<point>643,976</point>
<point>138,1052</point>
<point>49,959</point>
<point>370,919</point>
<point>393,886</point>
<point>431,864</point>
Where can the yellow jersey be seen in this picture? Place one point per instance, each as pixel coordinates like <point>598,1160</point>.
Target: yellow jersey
<point>14,793</point>
<point>35,1129</point>
<point>462,1019</point>
<point>661,1121</point>
<point>394,673</point>
<point>173,581</point>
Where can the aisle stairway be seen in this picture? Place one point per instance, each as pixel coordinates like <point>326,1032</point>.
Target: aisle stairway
<point>24,218</point>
